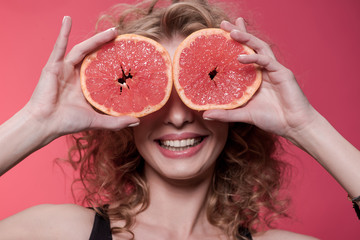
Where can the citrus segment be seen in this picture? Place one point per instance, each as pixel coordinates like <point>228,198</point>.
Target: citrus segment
<point>128,76</point>
<point>207,74</point>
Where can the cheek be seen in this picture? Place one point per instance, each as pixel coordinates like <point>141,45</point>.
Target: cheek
<point>220,134</point>
<point>142,138</point>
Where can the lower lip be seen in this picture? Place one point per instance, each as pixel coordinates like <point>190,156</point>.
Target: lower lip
<point>189,152</point>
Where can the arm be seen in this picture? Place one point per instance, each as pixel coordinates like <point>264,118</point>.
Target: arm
<point>281,107</point>
<point>57,106</point>
<point>21,135</point>
<point>66,221</point>
<point>331,150</point>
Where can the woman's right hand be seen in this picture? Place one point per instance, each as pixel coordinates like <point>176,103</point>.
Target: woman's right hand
<point>58,101</point>
<point>57,106</point>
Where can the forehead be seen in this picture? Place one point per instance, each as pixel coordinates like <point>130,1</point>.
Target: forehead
<point>171,44</point>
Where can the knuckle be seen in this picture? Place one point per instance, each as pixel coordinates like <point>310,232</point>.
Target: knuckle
<point>76,47</point>
<point>288,72</point>
<point>77,50</point>
<point>264,60</point>
<point>265,44</point>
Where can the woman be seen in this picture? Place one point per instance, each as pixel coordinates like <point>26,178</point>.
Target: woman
<point>217,187</point>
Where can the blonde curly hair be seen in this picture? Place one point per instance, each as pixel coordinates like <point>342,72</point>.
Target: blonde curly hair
<point>246,181</point>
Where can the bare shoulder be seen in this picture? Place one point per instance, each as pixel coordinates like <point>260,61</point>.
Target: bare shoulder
<point>67,221</point>
<point>276,234</point>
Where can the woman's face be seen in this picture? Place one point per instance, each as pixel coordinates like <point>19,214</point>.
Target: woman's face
<point>176,142</point>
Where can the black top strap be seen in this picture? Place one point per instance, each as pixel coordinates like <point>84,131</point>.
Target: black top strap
<point>357,209</point>
<point>101,229</point>
<point>245,233</point>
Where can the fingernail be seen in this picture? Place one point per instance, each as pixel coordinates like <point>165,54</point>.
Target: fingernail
<point>240,19</point>
<point>64,18</point>
<point>242,56</point>
<point>134,124</point>
<point>111,29</point>
<point>208,119</point>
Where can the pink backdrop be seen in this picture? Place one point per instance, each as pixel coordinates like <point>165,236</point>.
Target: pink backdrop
<point>319,40</point>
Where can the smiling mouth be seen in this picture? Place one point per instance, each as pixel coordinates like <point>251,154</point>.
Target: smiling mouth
<point>180,145</point>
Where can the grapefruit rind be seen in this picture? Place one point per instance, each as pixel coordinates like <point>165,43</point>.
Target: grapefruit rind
<point>164,90</point>
<point>206,104</point>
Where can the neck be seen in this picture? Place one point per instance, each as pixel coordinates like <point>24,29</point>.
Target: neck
<point>177,205</point>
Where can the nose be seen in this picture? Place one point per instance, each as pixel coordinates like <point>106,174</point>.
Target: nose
<point>176,112</point>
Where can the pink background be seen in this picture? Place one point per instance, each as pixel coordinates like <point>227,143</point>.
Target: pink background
<point>317,39</point>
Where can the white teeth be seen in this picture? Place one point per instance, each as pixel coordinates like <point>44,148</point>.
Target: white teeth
<point>179,145</point>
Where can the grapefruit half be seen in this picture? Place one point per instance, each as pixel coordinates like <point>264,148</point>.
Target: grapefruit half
<point>131,75</point>
<point>207,74</point>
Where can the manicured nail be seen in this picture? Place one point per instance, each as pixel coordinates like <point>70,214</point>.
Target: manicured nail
<point>240,19</point>
<point>208,119</point>
<point>113,29</point>
<point>241,56</point>
<point>134,124</point>
<point>64,18</point>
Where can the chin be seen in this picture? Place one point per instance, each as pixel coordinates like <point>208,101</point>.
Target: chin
<point>186,173</point>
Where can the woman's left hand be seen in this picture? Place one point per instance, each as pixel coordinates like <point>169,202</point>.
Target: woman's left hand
<point>279,106</point>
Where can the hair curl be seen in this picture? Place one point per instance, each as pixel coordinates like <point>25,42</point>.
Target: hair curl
<point>246,181</point>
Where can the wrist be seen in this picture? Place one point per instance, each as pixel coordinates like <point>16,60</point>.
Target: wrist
<point>22,135</point>
<point>40,126</point>
<point>331,150</point>
<point>307,130</point>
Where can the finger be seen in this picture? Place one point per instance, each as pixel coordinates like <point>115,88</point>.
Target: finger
<point>77,54</point>
<point>253,42</point>
<point>227,26</point>
<point>233,115</point>
<point>239,25</point>
<point>264,61</point>
<point>59,50</point>
<point>113,123</point>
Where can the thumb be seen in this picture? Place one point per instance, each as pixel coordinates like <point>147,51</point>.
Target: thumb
<point>113,123</point>
<point>233,115</point>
